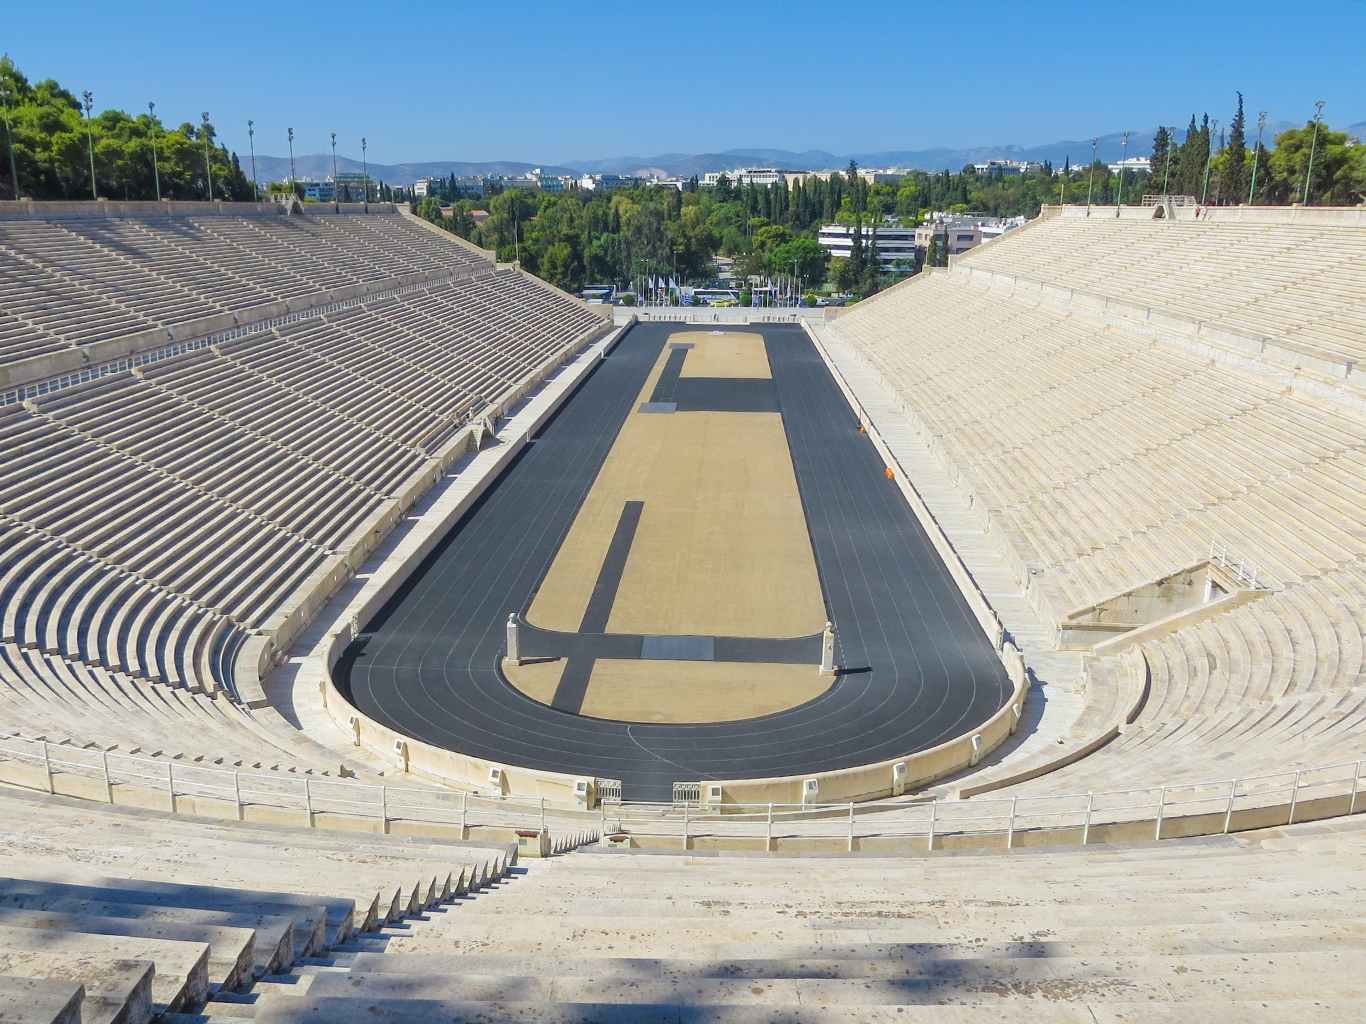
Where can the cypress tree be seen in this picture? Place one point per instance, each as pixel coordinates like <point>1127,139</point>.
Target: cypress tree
<point>1233,184</point>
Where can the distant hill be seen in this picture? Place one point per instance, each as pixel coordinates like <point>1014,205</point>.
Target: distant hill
<point>677,165</point>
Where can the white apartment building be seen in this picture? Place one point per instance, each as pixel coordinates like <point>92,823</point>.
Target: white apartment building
<point>1133,163</point>
<point>749,176</point>
<point>893,244</point>
<point>1007,166</point>
<point>603,182</point>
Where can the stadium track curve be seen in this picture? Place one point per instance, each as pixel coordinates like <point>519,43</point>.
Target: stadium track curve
<point>919,670</point>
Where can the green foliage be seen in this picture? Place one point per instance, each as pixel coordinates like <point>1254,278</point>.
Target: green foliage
<point>52,142</point>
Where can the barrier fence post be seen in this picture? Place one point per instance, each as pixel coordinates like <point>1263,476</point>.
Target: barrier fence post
<point>464,805</point>
<point>685,824</point>
<point>308,801</point>
<point>47,767</point>
<point>934,813</point>
<point>1010,830</point>
<point>1228,811</point>
<point>1161,806</point>
<point>1086,828</point>
<point>768,835</point>
<point>1294,797</point>
<point>851,826</point>
<point>170,783</point>
<point>108,784</point>
<point>237,793</point>
<point>384,810</point>
<point>542,814</point>
<point>1356,778</point>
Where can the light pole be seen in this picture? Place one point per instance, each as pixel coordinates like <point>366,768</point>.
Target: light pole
<point>9,137</point>
<point>1091,183</point>
<point>336,204</point>
<point>152,131</point>
<point>796,281</point>
<point>88,102</point>
<point>1209,157</point>
<point>291,160</point>
<point>365,170</point>
<point>1123,153</point>
<point>1318,120</point>
<point>1167,175</point>
<point>251,139</point>
<point>1261,127</point>
<point>208,167</point>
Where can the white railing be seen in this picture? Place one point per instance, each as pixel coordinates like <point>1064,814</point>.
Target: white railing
<point>1243,570</point>
<point>1170,201</point>
<point>1158,812</point>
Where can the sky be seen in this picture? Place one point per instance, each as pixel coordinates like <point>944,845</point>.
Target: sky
<point>553,82</point>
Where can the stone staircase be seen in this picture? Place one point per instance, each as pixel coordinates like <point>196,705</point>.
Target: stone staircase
<point>1260,927</point>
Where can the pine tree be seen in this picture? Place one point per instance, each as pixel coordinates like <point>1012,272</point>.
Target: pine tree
<point>1162,148</point>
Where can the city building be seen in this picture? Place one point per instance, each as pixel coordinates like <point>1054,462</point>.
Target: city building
<point>319,190</point>
<point>802,177</point>
<point>896,246</point>
<point>604,182</point>
<point>354,187</point>
<point>876,176</point>
<point>1133,163</point>
<point>749,176</point>
<point>1009,167</point>
<point>961,233</point>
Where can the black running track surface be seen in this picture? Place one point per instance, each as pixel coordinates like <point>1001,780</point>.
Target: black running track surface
<point>917,668</point>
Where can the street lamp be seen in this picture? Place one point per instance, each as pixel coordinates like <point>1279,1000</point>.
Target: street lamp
<point>336,205</point>
<point>251,140</point>
<point>152,131</point>
<point>365,170</point>
<point>9,137</point>
<point>87,104</point>
<point>1209,157</point>
<point>1318,120</point>
<point>1091,183</point>
<point>291,160</point>
<point>1123,152</point>
<point>1167,175</point>
<point>1261,127</point>
<point>208,167</point>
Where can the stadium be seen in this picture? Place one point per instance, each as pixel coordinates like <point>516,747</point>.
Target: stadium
<point>388,634</point>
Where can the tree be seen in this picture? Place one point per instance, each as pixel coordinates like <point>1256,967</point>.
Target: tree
<point>803,256</point>
<point>1233,176</point>
<point>1338,177</point>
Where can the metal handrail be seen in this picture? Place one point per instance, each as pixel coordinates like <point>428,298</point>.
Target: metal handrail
<point>931,820</point>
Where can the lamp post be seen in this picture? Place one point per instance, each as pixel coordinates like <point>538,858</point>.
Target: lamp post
<point>291,160</point>
<point>1167,175</point>
<point>1091,183</point>
<point>152,131</point>
<point>1261,127</point>
<point>251,139</point>
<point>1308,174</point>
<point>796,281</point>
<point>208,167</point>
<point>336,204</point>
<point>9,137</point>
<point>1209,158</point>
<point>365,170</point>
<point>1123,153</point>
<point>88,103</point>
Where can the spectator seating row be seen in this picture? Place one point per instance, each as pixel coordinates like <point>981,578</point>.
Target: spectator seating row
<point>71,282</point>
<point>1101,458</point>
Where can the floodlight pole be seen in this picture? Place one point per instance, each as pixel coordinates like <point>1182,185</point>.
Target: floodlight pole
<point>1091,184</point>
<point>1123,152</point>
<point>208,167</point>
<point>365,170</point>
<point>9,137</point>
<point>291,160</point>
<point>1167,175</point>
<point>1261,127</point>
<point>1209,158</point>
<point>1308,174</point>
<point>336,204</point>
<point>88,103</point>
<point>152,131</point>
<point>255,186</point>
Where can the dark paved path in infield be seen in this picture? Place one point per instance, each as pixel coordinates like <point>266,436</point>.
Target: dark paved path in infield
<point>919,669</point>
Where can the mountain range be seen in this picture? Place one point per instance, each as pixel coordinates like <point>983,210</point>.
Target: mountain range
<point>1109,148</point>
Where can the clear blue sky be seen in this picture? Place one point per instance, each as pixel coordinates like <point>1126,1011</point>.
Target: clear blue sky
<point>550,82</point>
